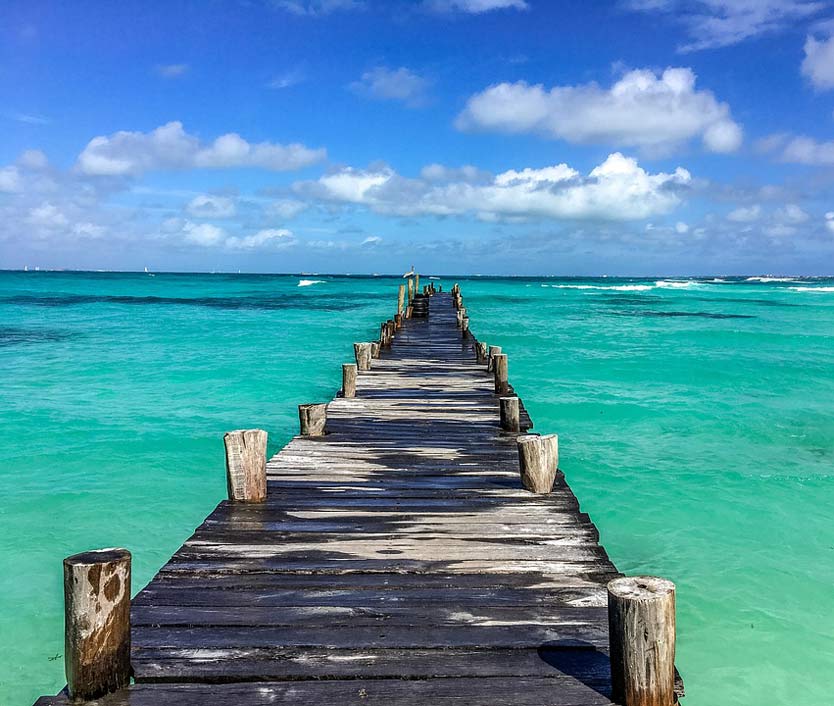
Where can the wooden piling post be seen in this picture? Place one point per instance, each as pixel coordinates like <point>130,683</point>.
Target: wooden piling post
<point>509,414</point>
<point>550,444</point>
<point>349,371</point>
<point>416,283</point>
<point>97,622</point>
<point>410,290</point>
<point>246,465</point>
<point>408,311</point>
<point>375,349</point>
<point>398,321</point>
<point>401,299</point>
<point>312,419</point>
<point>534,459</point>
<point>481,351</point>
<point>464,326</point>
<point>363,353</point>
<point>641,629</point>
<point>383,335</point>
<point>500,369</point>
<point>493,351</point>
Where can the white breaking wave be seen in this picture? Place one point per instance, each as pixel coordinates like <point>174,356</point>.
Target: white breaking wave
<point>811,289</point>
<point>770,279</point>
<point>614,288</point>
<point>676,284</point>
<point>308,282</point>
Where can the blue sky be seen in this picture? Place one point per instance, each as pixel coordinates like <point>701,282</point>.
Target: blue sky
<point>472,136</point>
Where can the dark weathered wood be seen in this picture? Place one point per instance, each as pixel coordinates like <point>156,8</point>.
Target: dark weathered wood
<point>509,414</point>
<point>312,419</point>
<point>482,353</point>
<point>97,622</point>
<point>246,465</point>
<point>363,353</point>
<point>641,615</point>
<point>535,459</point>
<point>349,371</point>
<point>500,370</point>
<point>493,351</point>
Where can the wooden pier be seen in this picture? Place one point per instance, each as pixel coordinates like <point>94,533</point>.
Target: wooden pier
<point>397,559</point>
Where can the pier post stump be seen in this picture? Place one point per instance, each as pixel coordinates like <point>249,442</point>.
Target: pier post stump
<point>312,419</point>
<point>246,465</point>
<point>375,349</point>
<point>493,351</point>
<point>349,371</point>
<point>401,299</point>
<point>408,311</point>
<point>97,622</point>
<point>537,475</point>
<point>641,628</point>
<point>500,368</point>
<point>464,326</point>
<point>398,321</point>
<point>509,411</point>
<point>550,445</point>
<point>482,351</point>
<point>363,353</point>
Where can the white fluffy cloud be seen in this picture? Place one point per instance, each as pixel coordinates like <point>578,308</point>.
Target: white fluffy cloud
<point>313,8</point>
<point>721,23</point>
<point>47,216</point>
<point>171,147</point>
<point>617,190</point>
<point>209,235</point>
<point>9,179</point>
<point>475,7</point>
<point>172,70</point>
<point>818,64</point>
<point>271,238</point>
<point>642,109</point>
<point>285,208</point>
<point>798,149</point>
<point>745,214</point>
<point>208,206</point>
<point>402,84</point>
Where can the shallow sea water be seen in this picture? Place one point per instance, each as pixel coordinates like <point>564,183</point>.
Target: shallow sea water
<point>696,423</point>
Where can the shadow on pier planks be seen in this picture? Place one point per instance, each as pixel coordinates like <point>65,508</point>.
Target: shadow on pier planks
<point>397,560</point>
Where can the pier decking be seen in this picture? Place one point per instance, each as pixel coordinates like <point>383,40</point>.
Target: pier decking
<point>397,560</point>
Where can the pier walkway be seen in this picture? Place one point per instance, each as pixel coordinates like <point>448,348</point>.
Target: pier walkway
<point>397,561</point>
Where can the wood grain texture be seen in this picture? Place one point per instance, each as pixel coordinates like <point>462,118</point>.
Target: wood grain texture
<point>312,419</point>
<point>641,614</point>
<point>246,465</point>
<point>97,619</point>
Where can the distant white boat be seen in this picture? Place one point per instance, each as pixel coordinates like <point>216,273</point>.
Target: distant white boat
<point>26,268</point>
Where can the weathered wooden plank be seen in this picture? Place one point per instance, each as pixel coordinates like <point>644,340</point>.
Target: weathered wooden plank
<point>472,691</point>
<point>588,666</point>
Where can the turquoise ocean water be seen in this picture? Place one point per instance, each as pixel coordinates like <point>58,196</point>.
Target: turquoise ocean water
<point>696,423</point>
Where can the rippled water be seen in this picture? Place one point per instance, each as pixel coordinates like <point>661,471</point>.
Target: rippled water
<point>696,423</point>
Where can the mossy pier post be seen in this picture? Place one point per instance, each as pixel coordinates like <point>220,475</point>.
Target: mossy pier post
<point>414,544</point>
